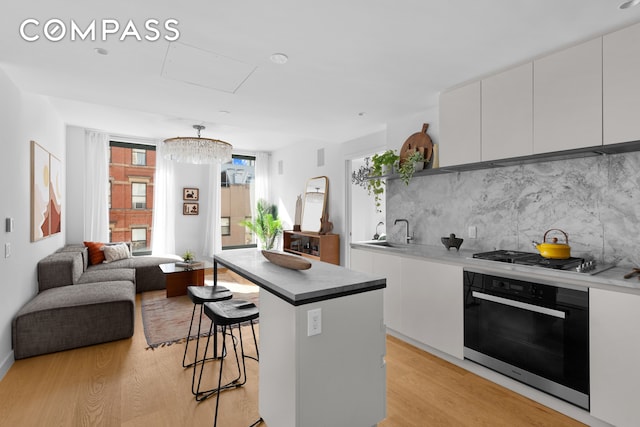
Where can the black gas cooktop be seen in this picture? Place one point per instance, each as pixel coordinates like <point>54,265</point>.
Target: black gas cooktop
<point>530,258</point>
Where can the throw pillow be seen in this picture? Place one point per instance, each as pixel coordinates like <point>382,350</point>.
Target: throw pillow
<point>115,252</point>
<point>96,256</point>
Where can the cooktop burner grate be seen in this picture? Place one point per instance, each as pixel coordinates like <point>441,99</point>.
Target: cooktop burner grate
<point>529,258</point>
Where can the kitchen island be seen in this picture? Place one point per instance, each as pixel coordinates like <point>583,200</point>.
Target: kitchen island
<point>322,342</point>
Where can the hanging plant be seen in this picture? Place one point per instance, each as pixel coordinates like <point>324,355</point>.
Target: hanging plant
<point>371,175</point>
<point>413,163</point>
<point>382,164</point>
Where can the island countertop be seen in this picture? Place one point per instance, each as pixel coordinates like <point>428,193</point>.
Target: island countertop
<point>321,282</point>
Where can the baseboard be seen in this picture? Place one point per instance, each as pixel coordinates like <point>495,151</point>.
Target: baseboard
<point>6,364</point>
<point>506,382</point>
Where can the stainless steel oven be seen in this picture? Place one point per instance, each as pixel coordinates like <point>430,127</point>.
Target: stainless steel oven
<point>534,332</point>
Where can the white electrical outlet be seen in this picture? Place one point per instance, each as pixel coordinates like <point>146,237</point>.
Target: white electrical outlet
<point>473,232</point>
<point>314,322</point>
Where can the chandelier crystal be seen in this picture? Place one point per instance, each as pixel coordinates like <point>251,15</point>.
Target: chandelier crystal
<point>197,150</point>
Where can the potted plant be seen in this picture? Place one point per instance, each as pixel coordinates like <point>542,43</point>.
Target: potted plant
<point>266,225</point>
<point>382,164</point>
<point>411,164</point>
<point>188,256</point>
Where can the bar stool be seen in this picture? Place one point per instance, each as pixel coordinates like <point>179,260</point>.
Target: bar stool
<point>226,314</point>
<point>199,295</point>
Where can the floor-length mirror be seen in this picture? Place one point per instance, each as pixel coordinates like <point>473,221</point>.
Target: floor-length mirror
<point>314,203</point>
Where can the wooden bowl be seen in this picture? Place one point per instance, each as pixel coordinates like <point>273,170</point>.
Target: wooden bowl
<point>292,262</point>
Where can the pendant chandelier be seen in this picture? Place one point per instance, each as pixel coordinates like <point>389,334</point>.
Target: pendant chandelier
<point>197,150</point>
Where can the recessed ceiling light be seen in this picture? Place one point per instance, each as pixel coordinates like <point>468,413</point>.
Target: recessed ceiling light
<point>279,58</point>
<point>224,112</point>
<point>362,114</point>
<point>628,4</point>
<point>101,51</point>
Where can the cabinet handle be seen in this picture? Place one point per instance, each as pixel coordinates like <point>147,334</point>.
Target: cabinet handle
<point>523,305</point>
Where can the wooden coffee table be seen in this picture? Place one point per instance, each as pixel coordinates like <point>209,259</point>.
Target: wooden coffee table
<point>178,276</point>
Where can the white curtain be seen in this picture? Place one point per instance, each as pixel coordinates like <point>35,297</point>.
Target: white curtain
<point>96,187</point>
<point>261,183</point>
<point>213,232</point>
<point>163,236</point>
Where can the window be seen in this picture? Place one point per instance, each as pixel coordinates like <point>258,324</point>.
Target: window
<point>138,195</point>
<point>236,181</point>
<point>225,225</point>
<point>132,169</point>
<point>248,234</point>
<point>138,239</point>
<point>138,157</point>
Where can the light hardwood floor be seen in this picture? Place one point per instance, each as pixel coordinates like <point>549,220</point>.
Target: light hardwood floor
<point>122,384</point>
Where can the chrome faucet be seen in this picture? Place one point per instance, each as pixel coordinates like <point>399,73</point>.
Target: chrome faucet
<point>408,237</point>
<point>377,235</point>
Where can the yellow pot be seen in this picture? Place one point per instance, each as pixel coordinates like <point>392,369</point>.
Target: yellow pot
<point>553,249</point>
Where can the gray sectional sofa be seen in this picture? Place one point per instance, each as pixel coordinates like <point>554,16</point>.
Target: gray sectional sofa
<point>80,304</point>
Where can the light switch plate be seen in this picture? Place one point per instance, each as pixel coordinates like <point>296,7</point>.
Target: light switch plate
<point>473,232</point>
<point>7,250</point>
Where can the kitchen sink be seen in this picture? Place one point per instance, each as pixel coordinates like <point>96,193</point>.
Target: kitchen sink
<point>381,244</point>
<point>378,243</point>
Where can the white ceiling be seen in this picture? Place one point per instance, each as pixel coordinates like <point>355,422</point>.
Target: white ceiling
<point>387,58</point>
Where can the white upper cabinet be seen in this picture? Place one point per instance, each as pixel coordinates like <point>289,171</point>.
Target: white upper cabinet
<point>507,114</point>
<point>460,125</point>
<point>621,85</point>
<point>567,98</point>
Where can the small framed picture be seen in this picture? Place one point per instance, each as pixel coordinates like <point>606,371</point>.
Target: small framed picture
<point>190,209</point>
<point>192,194</point>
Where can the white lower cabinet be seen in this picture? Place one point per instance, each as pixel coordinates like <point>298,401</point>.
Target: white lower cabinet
<point>423,299</point>
<point>614,341</point>
<point>432,305</point>
<point>388,266</point>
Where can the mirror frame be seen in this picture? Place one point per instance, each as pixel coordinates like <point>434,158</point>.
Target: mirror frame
<point>306,224</point>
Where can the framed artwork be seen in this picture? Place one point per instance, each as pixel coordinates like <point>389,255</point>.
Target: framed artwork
<point>189,209</point>
<point>192,194</point>
<point>46,193</point>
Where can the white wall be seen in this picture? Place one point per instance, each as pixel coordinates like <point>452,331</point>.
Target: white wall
<point>299,163</point>
<point>191,229</point>
<point>23,117</point>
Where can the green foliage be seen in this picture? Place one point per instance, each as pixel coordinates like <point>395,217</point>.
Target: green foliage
<point>266,225</point>
<point>188,256</point>
<point>375,185</point>
<point>407,168</point>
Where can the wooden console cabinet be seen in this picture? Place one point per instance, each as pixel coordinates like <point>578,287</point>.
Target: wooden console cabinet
<point>323,247</point>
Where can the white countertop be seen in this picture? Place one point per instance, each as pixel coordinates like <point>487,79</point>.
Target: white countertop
<point>611,279</point>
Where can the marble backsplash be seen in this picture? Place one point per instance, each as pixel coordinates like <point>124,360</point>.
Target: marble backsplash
<point>596,200</point>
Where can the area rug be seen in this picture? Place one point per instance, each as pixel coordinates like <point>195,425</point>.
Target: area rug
<point>166,320</point>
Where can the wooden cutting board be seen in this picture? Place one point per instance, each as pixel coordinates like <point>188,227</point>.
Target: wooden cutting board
<point>418,141</point>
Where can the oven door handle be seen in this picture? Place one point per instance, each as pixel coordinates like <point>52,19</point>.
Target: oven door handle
<point>523,305</point>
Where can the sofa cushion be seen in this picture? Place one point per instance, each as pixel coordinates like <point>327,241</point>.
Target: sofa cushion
<point>115,252</point>
<point>96,255</point>
<point>74,316</point>
<point>110,275</point>
<point>59,269</point>
<point>78,247</point>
